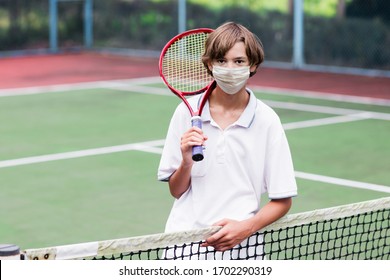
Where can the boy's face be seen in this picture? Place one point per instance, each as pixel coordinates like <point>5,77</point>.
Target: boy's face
<point>235,57</point>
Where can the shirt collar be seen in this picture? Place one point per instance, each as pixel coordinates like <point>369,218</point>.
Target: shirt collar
<point>246,117</point>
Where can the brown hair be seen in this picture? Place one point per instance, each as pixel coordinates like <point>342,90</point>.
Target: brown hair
<point>221,40</point>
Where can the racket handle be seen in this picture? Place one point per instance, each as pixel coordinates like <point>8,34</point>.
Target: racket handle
<point>197,151</point>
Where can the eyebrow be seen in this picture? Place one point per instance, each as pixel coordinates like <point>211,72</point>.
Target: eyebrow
<point>235,58</point>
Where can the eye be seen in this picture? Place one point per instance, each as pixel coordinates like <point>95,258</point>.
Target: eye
<point>220,61</point>
<point>240,61</point>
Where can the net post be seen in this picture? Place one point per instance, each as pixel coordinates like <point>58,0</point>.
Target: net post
<point>9,252</point>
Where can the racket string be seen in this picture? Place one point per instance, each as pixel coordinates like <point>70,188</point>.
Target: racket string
<point>182,64</point>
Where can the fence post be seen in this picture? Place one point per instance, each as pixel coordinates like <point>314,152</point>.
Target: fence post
<point>182,16</point>
<point>298,41</point>
<point>88,23</point>
<point>53,20</point>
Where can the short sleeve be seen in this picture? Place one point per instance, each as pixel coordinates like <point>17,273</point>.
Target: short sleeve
<point>171,156</point>
<point>279,172</point>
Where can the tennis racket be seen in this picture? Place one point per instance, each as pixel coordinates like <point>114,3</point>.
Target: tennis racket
<point>182,70</point>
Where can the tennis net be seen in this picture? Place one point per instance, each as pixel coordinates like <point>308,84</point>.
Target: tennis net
<point>353,231</point>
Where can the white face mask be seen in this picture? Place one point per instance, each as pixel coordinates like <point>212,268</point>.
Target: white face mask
<point>231,80</point>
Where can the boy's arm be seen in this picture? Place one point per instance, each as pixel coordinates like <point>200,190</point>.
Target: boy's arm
<point>234,232</point>
<point>180,180</point>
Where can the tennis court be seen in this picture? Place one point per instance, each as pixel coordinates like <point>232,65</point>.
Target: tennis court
<point>78,160</point>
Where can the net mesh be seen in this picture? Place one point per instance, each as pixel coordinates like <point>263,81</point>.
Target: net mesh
<point>354,231</point>
<point>181,64</point>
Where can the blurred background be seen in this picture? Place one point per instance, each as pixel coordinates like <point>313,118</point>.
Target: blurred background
<point>347,36</point>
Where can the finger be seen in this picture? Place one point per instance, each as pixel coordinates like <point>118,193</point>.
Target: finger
<point>216,238</point>
<point>190,140</point>
<point>222,222</point>
<point>220,246</point>
<point>192,137</point>
<point>197,131</point>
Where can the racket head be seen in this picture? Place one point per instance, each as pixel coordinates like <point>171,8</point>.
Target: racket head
<point>180,63</point>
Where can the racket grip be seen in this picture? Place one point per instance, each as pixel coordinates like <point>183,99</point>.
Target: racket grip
<point>197,151</point>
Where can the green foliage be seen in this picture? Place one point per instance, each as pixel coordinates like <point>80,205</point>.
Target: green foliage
<point>358,40</point>
<point>252,5</point>
<point>22,26</point>
<point>136,24</point>
<point>369,9</point>
<point>330,44</point>
<point>312,7</point>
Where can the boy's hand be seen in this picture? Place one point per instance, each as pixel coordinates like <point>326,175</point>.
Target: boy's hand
<point>192,137</point>
<point>232,233</point>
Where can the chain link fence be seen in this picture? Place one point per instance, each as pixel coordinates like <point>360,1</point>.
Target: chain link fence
<point>342,33</point>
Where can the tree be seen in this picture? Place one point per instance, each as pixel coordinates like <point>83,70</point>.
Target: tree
<point>341,8</point>
<point>14,13</point>
<point>369,9</point>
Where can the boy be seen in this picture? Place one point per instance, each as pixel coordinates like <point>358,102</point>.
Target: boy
<point>246,150</point>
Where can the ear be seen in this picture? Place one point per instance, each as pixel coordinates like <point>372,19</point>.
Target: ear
<point>253,68</point>
<point>210,67</point>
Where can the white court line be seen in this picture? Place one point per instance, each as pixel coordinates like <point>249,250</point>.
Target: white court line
<point>147,80</point>
<point>76,86</point>
<point>154,147</point>
<point>273,104</point>
<point>143,146</point>
<point>323,95</point>
<point>326,121</point>
<point>342,182</point>
<point>311,108</point>
<point>149,146</point>
<point>137,85</point>
<point>349,115</point>
<point>145,89</point>
<point>324,109</point>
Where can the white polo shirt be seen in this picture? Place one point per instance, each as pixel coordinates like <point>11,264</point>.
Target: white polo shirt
<point>248,158</point>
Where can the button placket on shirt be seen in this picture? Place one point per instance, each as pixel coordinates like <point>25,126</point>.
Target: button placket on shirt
<point>221,148</point>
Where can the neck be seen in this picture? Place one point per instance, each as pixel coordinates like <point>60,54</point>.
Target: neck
<point>226,109</point>
<point>235,101</point>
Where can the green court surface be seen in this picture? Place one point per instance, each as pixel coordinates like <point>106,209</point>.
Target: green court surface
<point>81,165</point>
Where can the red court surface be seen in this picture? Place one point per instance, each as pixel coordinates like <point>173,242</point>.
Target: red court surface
<point>40,70</point>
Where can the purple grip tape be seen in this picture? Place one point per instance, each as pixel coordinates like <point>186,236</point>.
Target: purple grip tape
<point>197,151</point>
